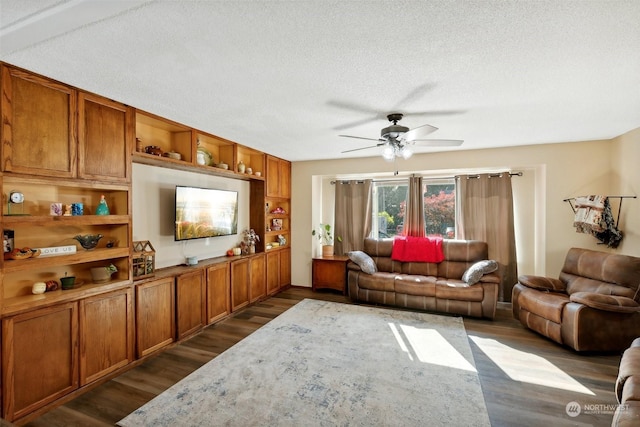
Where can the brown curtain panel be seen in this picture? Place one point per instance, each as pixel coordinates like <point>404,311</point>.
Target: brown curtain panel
<point>352,215</point>
<point>484,211</point>
<point>414,214</point>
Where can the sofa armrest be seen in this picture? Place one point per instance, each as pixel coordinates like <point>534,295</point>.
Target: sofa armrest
<point>629,367</point>
<point>544,284</point>
<point>490,278</point>
<point>353,266</point>
<point>613,303</point>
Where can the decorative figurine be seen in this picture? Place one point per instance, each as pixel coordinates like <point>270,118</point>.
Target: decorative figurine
<point>103,208</point>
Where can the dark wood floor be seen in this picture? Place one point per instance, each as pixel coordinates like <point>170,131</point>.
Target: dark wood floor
<point>526,379</point>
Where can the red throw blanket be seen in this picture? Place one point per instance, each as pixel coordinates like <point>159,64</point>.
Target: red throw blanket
<point>417,249</point>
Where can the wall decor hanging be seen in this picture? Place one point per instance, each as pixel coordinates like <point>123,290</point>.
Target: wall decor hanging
<point>593,215</point>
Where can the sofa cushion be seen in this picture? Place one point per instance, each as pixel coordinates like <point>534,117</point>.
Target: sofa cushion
<point>585,284</point>
<point>541,283</point>
<point>364,261</point>
<point>380,281</point>
<point>420,268</point>
<point>546,305</point>
<point>619,269</point>
<point>411,284</point>
<point>450,289</point>
<point>606,302</point>
<point>378,247</point>
<point>465,250</point>
<point>477,270</point>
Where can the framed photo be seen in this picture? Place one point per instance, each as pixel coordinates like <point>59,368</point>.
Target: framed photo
<point>276,224</point>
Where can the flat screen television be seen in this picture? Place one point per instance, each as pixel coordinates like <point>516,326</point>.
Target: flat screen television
<point>205,212</point>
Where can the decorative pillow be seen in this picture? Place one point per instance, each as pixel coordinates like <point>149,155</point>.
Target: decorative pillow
<point>479,269</point>
<point>364,261</point>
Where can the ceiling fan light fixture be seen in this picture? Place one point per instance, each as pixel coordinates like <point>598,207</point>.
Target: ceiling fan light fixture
<point>388,152</point>
<point>406,152</point>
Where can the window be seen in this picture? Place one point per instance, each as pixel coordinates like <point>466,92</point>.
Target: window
<point>390,199</point>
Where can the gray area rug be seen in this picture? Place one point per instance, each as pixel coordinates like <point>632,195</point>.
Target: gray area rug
<point>326,364</point>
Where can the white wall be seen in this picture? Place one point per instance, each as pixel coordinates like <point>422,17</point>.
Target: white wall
<point>553,172</point>
<point>154,216</point>
<point>626,181</point>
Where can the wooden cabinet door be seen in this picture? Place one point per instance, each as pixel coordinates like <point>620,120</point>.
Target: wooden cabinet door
<point>240,275</point>
<point>106,334</point>
<point>258,288</point>
<point>285,267</point>
<point>285,179</point>
<point>191,294</point>
<point>273,272</point>
<point>38,125</point>
<point>218,292</point>
<point>273,176</point>
<point>155,315</point>
<point>105,138</point>
<point>39,358</point>
<point>278,177</point>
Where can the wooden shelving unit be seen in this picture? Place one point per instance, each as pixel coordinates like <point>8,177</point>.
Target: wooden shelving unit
<point>90,146</point>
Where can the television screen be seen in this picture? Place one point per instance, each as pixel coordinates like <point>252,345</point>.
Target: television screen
<point>205,212</point>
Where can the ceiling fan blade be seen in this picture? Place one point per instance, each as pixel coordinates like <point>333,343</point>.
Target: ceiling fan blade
<point>360,137</point>
<point>419,132</point>
<point>434,113</point>
<point>437,142</point>
<point>362,148</point>
<point>416,94</point>
<point>356,123</point>
<point>356,107</point>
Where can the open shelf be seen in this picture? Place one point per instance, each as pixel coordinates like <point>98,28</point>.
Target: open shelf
<point>81,256</point>
<point>168,136</point>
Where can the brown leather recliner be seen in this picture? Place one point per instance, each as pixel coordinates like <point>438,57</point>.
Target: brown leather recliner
<point>593,306</point>
<point>628,388</point>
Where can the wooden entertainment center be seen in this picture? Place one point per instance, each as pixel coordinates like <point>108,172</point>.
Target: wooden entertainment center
<point>61,144</point>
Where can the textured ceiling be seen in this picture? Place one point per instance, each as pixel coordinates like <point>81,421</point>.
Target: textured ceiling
<point>287,77</point>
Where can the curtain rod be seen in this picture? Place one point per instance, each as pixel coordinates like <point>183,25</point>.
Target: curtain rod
<point>495,175</point>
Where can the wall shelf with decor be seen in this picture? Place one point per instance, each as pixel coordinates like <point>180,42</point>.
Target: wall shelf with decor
<point>43,230</point>
<point>215,152</point>
<point>249,161</point>
<point>158,137</point>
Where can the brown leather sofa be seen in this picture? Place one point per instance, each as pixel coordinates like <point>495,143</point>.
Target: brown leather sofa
<point>628,388</point>
<point>593,306</point>
<point>424,285</point>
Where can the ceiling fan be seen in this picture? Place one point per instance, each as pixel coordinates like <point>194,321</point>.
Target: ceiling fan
<point>397,140</point>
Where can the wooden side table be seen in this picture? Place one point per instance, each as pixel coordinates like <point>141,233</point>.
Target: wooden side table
<point>330,272</point>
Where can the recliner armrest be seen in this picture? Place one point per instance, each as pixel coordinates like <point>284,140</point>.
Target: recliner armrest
<point>544,284</point>
<point>613,303</point>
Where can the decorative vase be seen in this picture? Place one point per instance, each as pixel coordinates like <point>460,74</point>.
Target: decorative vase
<point>241,167</point>
<point>327,250</point>
<point>252,249</point>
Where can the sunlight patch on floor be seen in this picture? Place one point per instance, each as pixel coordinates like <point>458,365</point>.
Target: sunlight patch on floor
<point>429,346</point>
<point>527,367</point>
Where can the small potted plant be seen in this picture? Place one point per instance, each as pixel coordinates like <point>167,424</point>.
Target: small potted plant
<point>325,236</point>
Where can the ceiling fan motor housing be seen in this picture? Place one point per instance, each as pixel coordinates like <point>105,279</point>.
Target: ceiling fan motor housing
<point>393,131</point>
